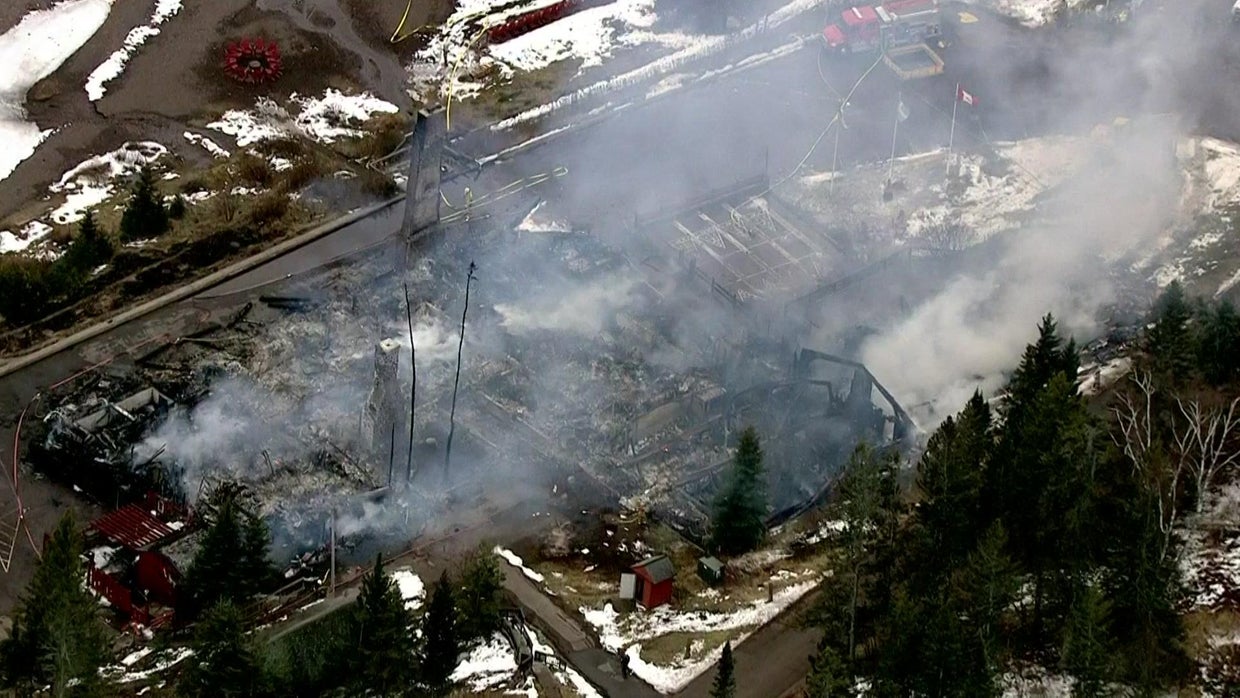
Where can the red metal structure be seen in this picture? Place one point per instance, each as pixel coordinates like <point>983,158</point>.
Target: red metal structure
<point>656,581</point>
<point>150,596</point>
<point>866,28</point>
<point>527,22</point>
<point>253,61</point>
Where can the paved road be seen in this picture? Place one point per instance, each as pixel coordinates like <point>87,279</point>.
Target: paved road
<point>771,662</point>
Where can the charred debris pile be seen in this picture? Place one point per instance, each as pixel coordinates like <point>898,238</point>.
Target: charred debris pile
<point>587,374</point>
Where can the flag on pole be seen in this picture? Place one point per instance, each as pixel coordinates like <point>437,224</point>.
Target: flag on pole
<point>901,110</point>
<point>965,97</point>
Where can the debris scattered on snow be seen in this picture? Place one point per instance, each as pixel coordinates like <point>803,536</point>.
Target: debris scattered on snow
<point>1030,13</point>
<point>31,51</point>
<point>112,68</point>
<point>487,665</point>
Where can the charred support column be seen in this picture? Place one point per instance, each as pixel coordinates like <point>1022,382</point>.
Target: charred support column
<point>384,411</point>
<point>425,166</point>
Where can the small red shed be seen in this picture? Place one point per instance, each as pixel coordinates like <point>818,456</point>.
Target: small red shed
<point>655,581</point>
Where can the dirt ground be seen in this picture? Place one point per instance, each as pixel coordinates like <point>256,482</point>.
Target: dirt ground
<point>175,81</point>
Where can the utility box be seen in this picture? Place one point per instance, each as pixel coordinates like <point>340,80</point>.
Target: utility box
<point>710,569</point>
<point>628,586</point>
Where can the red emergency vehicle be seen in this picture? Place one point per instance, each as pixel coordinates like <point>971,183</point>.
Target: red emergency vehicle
<point>866,28</point>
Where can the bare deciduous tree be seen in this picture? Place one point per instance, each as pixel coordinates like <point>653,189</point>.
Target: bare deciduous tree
<point>1139,442</point>
<point>1206,441</point>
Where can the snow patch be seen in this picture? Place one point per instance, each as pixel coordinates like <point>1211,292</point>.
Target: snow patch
<point>487,665</point>
<point>412,590</point>
<point>31,51</point>
<point>1030,13</point>
<point>207,144</point>
<point>1210,562</point>
<point>112,68</point>
<point>29,234</point>
<point>91,182</point>
<point>517,562</point>
<point>336,115</point>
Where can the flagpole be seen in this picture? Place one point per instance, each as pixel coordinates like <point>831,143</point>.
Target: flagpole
<point>836,153</point>
<point>951,139</point>
<point>891,162</point>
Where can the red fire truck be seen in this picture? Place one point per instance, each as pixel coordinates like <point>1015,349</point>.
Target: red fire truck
<point>866,28</point>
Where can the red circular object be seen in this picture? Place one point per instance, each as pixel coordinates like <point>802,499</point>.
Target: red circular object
<point>253,61</point>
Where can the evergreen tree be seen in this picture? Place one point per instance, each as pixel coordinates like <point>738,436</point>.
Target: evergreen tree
<point>58,638</point>
<point>858,507</point>
<point>1086,648</point>
<point>725,679</point>
<point>383,659</point>
<point>225,661</point>
<point>478,603</point>
<point>255,542</point>
<point>440,643</point>
<point>1218,351</point>
<point>1170,342</point>
<point>740,510</point>
<point>90,248</point>
<point>828,674</point>
<point>983,589</point>
<point>221,568</point>
<point>145,215</point>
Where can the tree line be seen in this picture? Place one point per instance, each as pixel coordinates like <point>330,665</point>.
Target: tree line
<point>1039,529</point>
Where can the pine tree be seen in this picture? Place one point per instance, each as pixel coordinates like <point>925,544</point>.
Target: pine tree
<point>1086,650</point>
<point>725,679</point>
<point>858,506</point>
<point>740,510</point>
<point>383,659</point>
<point>145,215</point>
<point>219,569</point>
<point>441,645</point>
<point>828,673</point>
<point>983,588</point>
<point>225,662</point>
<point>478,603</point>
<point>1218,352</point>
<point>1170,342</point>
<point>58,637</point>
<point>950,475</point>
<point>256,540</point>
<point>90,248</point>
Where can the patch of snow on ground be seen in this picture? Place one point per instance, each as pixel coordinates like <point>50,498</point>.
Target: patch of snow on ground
<point>1035,681</point>
<point>91,182</point>
<point>266,121</point>
<point>164,661</point>
<point>517,562</point>
<point>30,233</point>
<point>31,51</point>
<point>1030,13</point>
<point>588,35</point>
<point>135,657</point>
<point>207,144</point>
<point>1099,376</point>
<point>1210,563</point>
<point>412,590</point>
<point>114,65</point>
<point>487,665</point>
<point>336,115</point>
<point>625,633</point>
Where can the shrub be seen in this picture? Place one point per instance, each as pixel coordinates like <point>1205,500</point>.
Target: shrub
<point>25,288</point>
<point>254,170</point>
<point>269,208</point>
<point>145,216</point>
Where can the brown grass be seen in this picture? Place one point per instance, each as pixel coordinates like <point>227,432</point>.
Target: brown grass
<point>670,648</point>
<point>254,170</point>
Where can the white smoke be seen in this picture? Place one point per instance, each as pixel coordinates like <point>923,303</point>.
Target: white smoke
<point>582,310</point>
